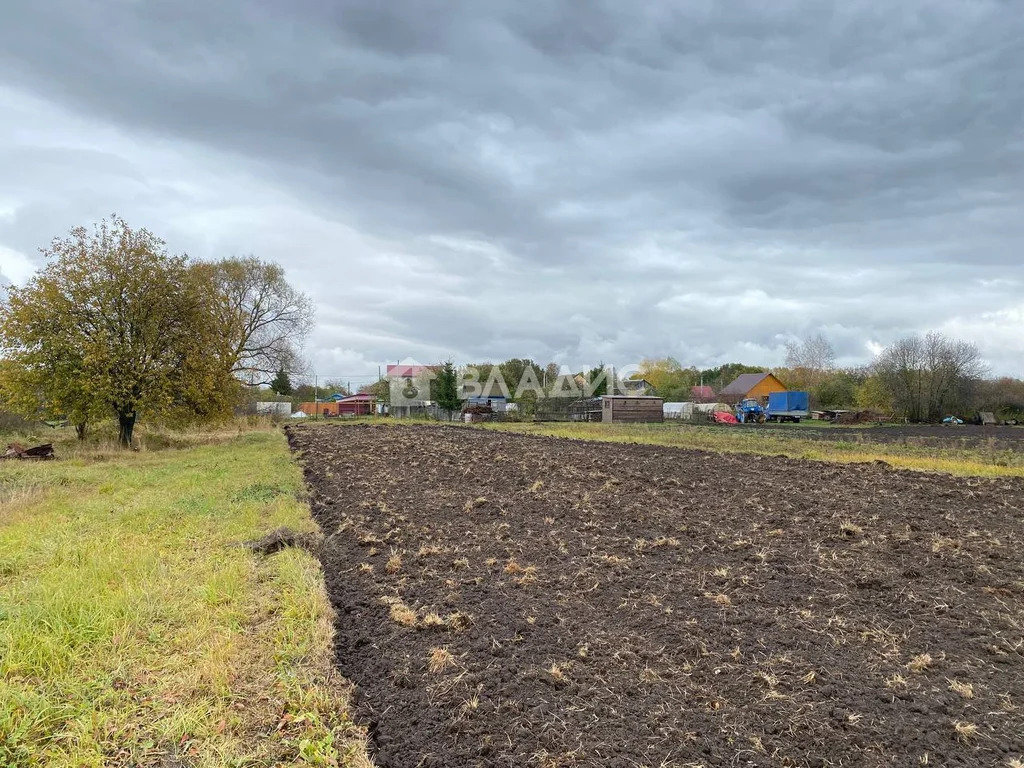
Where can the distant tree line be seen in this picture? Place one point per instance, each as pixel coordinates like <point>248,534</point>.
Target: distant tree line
<point>115,326</point>
<point>921,378</point>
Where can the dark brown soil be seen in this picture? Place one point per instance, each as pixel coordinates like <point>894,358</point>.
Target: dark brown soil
<point>622,605</point>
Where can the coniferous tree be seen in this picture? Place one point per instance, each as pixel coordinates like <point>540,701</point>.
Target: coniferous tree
<point>281,384</point>
<point>446,387</point>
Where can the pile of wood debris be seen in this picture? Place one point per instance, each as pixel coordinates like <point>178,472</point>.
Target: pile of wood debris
<point>19,451</point>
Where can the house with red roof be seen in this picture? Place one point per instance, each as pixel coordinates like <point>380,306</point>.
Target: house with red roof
<point>410,371</point>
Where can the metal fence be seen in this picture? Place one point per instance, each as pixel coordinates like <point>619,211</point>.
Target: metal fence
<point>434,412</point>
<point>283,409</point>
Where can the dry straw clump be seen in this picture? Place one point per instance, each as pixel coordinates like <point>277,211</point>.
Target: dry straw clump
<point>400,612</point>
<point>439,659</point>
<point>850,529</point>
<point>965,731</point>
<point>920,663</point>
<point>431,620</point>
<point>394,563</point>
<point>457,621</point>
<point>720,599</point>
<point>964,689</point>
<point>896,681</point>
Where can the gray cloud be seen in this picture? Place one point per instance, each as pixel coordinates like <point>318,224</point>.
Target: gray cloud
<point>485,179</point>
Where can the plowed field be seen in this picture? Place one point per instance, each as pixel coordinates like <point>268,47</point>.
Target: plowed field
<point>510,600</point>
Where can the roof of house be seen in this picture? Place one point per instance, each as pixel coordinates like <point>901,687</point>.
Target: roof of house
<point>358,396</point>
<point>744,383</point>
<point>403,371</point>
<point>704,391</point>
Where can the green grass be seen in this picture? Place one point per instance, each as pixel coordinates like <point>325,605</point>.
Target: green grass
<point>990,461</point>
<point>134,629</point>
<point>101,441</point>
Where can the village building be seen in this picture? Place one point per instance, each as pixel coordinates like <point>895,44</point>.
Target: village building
<point>751,385</point>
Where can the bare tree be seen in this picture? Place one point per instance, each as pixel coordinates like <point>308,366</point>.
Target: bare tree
<point>811,359</point>
<point>815,353</point>
<point>930,375</point>
<point>262,320</point>
<point>901,368</point>
<point>957,367</point>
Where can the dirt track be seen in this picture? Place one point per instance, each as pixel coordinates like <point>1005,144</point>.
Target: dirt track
<point>615,605</point>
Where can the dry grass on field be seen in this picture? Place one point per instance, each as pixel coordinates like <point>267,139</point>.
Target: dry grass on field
<point>975,461</point>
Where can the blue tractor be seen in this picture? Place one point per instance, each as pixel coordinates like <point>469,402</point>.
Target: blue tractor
<point>749,411</point>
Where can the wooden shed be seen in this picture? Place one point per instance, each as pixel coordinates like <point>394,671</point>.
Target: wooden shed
<point>631,408</point>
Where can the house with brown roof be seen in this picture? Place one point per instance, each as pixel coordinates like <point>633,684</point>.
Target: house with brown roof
<point>755,385</point>
<point>702,394</point>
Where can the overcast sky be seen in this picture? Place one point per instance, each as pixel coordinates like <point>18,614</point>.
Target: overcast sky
<point>574,181</point>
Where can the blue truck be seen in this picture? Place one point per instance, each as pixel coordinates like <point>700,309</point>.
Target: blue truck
<point>788,406</point>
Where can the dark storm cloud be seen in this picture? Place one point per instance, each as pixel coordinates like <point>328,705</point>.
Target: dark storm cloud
<point>557,179</point>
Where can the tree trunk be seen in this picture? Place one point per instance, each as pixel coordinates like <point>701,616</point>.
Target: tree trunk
<point>126,424</point>
<point>80,428</point>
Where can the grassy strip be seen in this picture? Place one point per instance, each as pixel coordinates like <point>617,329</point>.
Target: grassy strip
<point>954,460</point>
<point>101,442</point>
<point>135,632</point>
